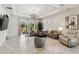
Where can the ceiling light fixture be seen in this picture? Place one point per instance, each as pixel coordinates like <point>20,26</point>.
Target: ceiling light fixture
<point>34,15</point>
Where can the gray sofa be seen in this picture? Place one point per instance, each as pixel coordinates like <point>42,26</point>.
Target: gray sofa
<point>69,41</point>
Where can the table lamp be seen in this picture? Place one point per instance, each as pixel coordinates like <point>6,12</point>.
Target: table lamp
<point>60,30</point>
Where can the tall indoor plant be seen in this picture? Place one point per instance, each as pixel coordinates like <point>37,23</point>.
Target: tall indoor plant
<point>40,36</point>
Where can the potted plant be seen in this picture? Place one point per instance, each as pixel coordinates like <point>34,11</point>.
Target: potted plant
<point>23,28</point>
<point>40,36</point>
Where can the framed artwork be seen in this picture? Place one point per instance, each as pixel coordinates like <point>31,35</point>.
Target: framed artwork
<point>71,22</point>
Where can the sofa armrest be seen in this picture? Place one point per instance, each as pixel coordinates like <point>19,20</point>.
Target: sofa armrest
<point>71,42</point>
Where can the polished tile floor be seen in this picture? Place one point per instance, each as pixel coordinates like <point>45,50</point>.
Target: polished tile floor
<point>25,45</point>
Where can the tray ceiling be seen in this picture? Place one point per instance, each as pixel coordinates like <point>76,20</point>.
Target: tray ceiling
<point>39,9</point>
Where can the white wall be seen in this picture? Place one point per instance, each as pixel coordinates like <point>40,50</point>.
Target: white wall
<point>2,11</point>
<point>12,26</point>
<point>58,19</point>
<point>50,23</point>
<point>4,32</point>
<point>3,36</point>
<point>13,23</point>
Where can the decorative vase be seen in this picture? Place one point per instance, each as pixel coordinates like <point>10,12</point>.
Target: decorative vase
<point>40,40</point>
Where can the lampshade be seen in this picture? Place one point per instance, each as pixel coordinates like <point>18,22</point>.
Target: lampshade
<point>60,28</point>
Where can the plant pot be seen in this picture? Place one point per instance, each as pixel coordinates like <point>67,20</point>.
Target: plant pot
<point>39,42</point>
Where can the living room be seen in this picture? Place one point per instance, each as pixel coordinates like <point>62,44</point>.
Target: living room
<point>39,29</point>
